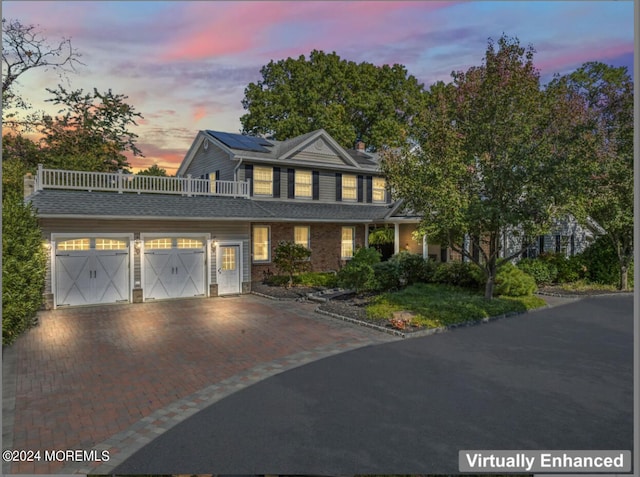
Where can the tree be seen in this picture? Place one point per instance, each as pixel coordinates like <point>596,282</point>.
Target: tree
<point>291,258</point>
<point>153,170</point>
<point>91,132</point>
<point>23,257</point>
<point>608,93</point>
<point>350,101</point>
<point>24,49</point>
<point>492,155</point>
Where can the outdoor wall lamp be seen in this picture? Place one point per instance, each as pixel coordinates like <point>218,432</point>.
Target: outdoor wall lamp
<point>137,245</point>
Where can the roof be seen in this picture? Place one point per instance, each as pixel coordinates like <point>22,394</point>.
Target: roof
<point>280,152</point>
<point>51,203</point>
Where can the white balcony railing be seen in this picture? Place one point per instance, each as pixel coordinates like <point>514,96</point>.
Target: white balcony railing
<point>120,182</point>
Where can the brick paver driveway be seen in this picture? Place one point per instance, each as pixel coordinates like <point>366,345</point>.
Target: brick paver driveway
<point>114,377</point>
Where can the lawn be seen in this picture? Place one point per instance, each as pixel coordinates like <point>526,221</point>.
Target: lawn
<point>440,305</point>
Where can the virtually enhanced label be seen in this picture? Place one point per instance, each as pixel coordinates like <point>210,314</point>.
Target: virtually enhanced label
<point>588,461</point>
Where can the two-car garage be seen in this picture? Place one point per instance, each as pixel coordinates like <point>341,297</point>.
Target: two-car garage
<point>99,269</point>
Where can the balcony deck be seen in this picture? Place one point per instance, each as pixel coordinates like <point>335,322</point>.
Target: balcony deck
<point>121,182</point>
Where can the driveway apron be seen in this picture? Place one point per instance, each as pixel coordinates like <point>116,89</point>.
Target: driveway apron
<point>115,377</point>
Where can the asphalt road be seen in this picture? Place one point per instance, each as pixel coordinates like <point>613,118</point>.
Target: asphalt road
<point>558,378</point>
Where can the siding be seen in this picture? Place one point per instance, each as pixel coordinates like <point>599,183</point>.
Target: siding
<point>211,160</point>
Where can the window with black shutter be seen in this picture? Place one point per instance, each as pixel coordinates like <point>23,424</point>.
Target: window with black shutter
<point>338,187</point>
<point>276,182</point>
<point>291,183</point>
<point>369,189</point>
<point>316,184</point>
<point>360,188</point>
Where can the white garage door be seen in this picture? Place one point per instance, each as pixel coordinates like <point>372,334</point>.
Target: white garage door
<point>174,267</point>
<point>91,270</point>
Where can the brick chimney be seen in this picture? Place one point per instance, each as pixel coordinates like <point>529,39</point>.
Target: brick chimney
<point>360,146</point>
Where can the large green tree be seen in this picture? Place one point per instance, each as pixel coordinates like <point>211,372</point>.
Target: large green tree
<point>375,104</point>
<point>492,156</point>
<point>608,93</point>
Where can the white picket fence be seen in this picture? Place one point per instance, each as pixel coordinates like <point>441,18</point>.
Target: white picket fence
<point>120,182</point>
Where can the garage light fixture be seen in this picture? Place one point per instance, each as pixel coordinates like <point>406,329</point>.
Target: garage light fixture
<point>46,245</point>
<point>137,245</point>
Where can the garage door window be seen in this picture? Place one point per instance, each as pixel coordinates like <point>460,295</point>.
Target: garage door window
<point>110,244</point>
<point>73,244</point>
<point>159,244</point>
<point>189,243</point>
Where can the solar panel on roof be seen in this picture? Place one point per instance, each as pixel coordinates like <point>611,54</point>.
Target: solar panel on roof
<point>242,142</point>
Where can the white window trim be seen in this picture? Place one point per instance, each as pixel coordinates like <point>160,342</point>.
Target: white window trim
<point>375,189</point>
<point>354,188</point>
<point>253,259</point>
<point>310,184</point>
<point>353,242</point>
<point>256,181</point>
<point>308,244</point>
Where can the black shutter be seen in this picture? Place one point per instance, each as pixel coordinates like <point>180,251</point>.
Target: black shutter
<point>218,175</point>
<point>248,174</point>
<point>541,244</point>
<point>276,182</point>
<point>387,192</point>
<point>291,183</point>
<point>315,176</point>
<point>369,189</point>
<point>360,188</point>
<point>338,187</point>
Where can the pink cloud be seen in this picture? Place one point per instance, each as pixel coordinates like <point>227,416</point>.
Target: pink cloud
<point>576,57</point>
<point>199,113</point>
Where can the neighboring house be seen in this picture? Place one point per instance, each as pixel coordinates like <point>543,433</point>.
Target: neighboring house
<point>213,230</point>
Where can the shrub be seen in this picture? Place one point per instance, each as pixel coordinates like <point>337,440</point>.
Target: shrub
<point>511,281</point>
<point>601,262</point>
<point>542,272</point>
<point>277,280</point>
<point>317,279</point>
<point>386,275</point>
<point>411,267</point>
<point>23,268</point>
<point>462,274</point>
<point>568,269</point>
<point>358,272</point>
<point>291,258</point>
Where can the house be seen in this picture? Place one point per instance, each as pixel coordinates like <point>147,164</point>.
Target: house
<point>211,231</point>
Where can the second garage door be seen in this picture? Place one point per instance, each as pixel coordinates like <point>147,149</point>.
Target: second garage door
<point>174,267</point>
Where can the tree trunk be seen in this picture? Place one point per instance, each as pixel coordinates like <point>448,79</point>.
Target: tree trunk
<point>624,284</point>
<point>488,288</point>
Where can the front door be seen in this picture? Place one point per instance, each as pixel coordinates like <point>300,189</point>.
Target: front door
<point>228,273</point>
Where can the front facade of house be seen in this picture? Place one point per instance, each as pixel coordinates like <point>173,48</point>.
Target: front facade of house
<point>213,230</point>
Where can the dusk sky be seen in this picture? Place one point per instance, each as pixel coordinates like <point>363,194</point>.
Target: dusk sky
<point>184,65</point>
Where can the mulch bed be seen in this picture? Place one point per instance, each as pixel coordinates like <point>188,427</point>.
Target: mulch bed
<point>282,293</point>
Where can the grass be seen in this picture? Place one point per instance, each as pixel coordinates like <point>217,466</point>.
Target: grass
<point>585,286</point>
<point>441,305</point>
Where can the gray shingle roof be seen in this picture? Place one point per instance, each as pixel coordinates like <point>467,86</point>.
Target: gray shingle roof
<point>70,203</point>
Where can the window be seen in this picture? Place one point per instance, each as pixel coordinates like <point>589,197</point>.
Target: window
<point>73,244</point>
<point>229,259</point>
<point>110,244</point>
<point>303,184</point>
<point>379,189</point>
<point>189,243</point>
<point>348,242</point>
<point>301,236</point>
<point>349,187</point>
<point>262,180</point>
<point>159,244</point>
<point>261,246</point>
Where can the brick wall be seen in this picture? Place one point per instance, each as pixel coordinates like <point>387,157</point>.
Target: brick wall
<point>325,245</point>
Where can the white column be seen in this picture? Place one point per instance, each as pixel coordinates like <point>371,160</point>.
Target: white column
<point>396,238</point>
<point>425,247</point>
<point>366,235</point>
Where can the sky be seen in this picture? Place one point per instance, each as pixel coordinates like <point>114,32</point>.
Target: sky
<point>184,65</point>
